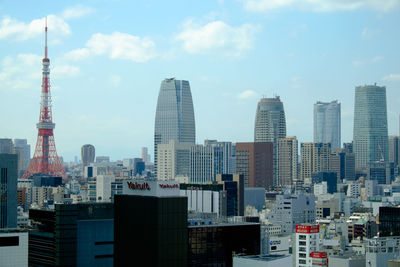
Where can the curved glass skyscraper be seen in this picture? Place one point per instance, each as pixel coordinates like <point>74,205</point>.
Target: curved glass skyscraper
<point>370,133</point>
<point>270,124</point>
<point>174,115</point>
<point>327,123</point>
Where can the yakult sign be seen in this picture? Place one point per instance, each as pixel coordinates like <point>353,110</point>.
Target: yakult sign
<point>142,187</point>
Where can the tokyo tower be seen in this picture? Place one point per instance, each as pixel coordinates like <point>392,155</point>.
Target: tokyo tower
<point>45,160</point>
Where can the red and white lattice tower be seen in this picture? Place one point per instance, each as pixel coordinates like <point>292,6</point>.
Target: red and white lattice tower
<point>45,160</point>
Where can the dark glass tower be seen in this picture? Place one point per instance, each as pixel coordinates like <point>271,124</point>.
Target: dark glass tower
<point>174,115</point>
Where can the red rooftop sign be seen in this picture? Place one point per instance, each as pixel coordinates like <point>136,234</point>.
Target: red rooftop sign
<point>319,255</point>
<point>307,229</point>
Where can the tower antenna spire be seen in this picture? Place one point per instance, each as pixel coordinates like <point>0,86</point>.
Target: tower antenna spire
<point>45,40</point>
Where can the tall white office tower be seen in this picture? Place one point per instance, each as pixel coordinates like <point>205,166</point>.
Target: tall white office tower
<point>270,125</point>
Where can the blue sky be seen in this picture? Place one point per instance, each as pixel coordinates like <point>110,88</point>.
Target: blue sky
<point>108,59</point>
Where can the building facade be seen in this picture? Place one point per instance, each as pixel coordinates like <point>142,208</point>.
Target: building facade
<point>88,154</point>
<point>327,123</point>
<point>287,161</point>
<point>314,158</point>
<point>270,125</point>
<point>8,190</point>
<point>174,115</point>
<point>173,160</point>
<point>255,162</point>
<point>370,133</point>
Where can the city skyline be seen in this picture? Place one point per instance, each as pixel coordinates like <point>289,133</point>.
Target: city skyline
<point>103,89</point>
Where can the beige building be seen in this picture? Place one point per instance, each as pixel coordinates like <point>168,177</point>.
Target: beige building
<point>314,158</point>
<point>173,160</point>
<point>287,160</point>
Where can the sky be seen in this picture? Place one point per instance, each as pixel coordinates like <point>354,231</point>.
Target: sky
<point>108,58</point>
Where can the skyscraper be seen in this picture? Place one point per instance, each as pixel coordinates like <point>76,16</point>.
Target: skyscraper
<point>314,158</point>
<point>270,125</point>
<point>254,161</point>
<point>8,190</point>
<point>87,153</point>
<point>327,123</point>
<point>287,160</point>
<point>23,143</point>
<point>370,133</point>
<point>6,146</point>
<point>174,115</point>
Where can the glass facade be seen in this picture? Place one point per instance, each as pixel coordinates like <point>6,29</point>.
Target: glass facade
<point>214,245</point>
<point>327,123</point>
<point>174,115</point>
<point>370,134</point>
<point>270,125</point>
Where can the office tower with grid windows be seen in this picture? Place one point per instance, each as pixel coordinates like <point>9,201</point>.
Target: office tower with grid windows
<point>327,123</point>
<point>174,115</point>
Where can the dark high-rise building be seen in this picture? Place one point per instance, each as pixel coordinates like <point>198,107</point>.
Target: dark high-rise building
<point>270,125</point>
<point>389,221</point>
<point>343,163</point>
<point>150,224</point>
<point>232,198</point>
<point>214,245</point>
<point>174,115</point>
<point>139,166</point>
<point>370,133</point>
<point>8,190</point>
<point>6,146</point>
<point>88,153</point>
<point>255,162</point>
<point>394,150</point>
<point>72,235</point>
<point>329,177</point>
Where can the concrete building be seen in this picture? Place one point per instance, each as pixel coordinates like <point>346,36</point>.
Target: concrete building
<point>347,261</point>
<point>314,158</point>
<point>291,210</point>
<point>103,187</point>
<point>206,161</point>
<point>174,115</point>
<point>88,153</point>
<point>255,162</point>
<point>327,123</point>
<point>382,249</point>
<point>146,156</point>
<point>270,125</point>
<point>173,160</point>
<point>370,133</point>
<point>13,248</point>
<point>307,242</point>
<point>8,190</point>
<point>287,161</point>
<point>270,260</point>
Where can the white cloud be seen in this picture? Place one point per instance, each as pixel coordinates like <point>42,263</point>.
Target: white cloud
<point>116,46</point>
<point>20,72</point>
<point>376,59</point>
<point>320,5</point>
<point>247,94</point>
<point>77,12</point>
<point>65,71</point>
<point>20,31</point>
<point>231,41</point>
<point>392,77</point>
